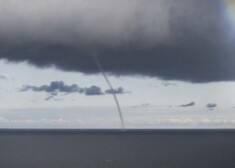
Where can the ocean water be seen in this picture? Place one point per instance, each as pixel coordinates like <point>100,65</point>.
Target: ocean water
<point>117,149</point>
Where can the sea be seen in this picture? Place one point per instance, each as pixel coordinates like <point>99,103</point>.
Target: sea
<point>114,148</point>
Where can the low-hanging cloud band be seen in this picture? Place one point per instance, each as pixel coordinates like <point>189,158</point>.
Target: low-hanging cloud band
<point>56,87</point>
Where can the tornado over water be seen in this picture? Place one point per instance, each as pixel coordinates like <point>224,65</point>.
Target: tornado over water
<point>95,56</point>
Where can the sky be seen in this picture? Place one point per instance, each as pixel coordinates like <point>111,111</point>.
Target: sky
<point>171,64</point>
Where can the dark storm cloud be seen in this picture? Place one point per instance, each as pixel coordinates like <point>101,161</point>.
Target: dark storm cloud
<point>188,105</point>
<point>211,105</point>
<point>183,40</point>
<point>119,90</point>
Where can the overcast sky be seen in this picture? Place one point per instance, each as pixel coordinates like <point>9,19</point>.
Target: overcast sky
<point>171,64</point>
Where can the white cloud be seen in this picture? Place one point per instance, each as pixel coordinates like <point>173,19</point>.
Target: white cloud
<point>106,117</point>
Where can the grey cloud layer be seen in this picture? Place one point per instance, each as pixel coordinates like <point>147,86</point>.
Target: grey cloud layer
<point>56,87</point>
<point>211,105</point>
<point>119,90</point>
<point>183,40</point>
<point>93,90</point>
<point>188,105</point>
<point>3,77</point>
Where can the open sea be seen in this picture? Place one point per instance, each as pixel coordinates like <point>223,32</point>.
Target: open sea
<point>117,148</point>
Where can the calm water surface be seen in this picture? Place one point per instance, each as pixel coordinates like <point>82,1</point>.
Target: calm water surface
<point>117,149</point>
